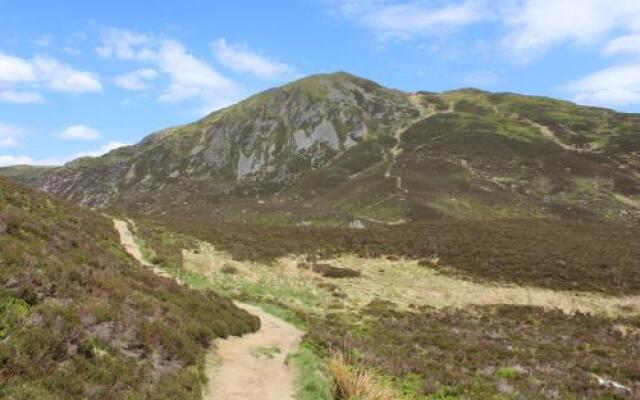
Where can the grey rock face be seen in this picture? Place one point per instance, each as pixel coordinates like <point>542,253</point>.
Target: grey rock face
<point>270,137</point>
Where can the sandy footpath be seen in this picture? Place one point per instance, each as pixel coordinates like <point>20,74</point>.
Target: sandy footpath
<point>249,367</point>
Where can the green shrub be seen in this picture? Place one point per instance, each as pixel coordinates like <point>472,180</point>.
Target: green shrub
<point>329,271</point>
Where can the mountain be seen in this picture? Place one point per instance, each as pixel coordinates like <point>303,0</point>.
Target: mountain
<point>334,148</point>
<point>80,319</point>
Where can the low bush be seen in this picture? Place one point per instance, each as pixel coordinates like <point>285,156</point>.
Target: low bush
<point>229,269</point>
<point>329,271</point>
<point>10,222</point>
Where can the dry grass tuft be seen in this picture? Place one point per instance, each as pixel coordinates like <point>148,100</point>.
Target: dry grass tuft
<point>355,382</point>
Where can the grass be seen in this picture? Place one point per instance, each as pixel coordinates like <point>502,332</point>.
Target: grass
<point>273,285</point>
<point>291,288</point>
<point>265,352</point>
<point>408,283</point>
<point>312,379</point>
<point>506,251</point>
<point>413,348</point>
<point>80,319</point>
<point>487,351</point>
<point>402,318</point>
<point>356,382</point>
<point>509,373</point>
<point>297,319</point>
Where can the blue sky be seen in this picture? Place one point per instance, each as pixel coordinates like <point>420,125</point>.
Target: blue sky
<point>82,77</point>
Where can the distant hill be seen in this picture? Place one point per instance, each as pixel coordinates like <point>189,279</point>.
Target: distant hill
<point>80,319</point>
<point>331,149</point>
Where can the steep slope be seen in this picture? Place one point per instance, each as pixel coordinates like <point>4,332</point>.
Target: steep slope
<point>333,148</point>
<point>80,319</point>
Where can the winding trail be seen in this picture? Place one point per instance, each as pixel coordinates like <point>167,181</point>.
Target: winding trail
<point>397,150</point>
<point>128,241</point>
<point>253,366</point>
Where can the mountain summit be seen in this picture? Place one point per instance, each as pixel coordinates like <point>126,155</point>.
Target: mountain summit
<point>334,148</point>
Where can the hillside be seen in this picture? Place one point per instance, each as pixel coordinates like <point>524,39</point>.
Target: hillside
<point>499,258</point>
<point>329,149</point>
<point>81,319</point>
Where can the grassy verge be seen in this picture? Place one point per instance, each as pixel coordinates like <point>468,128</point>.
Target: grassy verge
<point>312,380</point>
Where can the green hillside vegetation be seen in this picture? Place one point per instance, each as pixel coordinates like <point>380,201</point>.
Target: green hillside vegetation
<point>435,246</point>
<point>533,252</point>
<point>496,352</point>
<point>331,148</point>
<point>424,328</point>
<point>80,319</point>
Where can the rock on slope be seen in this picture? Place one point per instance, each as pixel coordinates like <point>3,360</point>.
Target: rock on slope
<point>335,148</point>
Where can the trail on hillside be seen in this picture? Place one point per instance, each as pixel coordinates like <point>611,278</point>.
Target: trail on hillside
<point>128,241</point>
<point>253,366</point>
<point>397,150</point>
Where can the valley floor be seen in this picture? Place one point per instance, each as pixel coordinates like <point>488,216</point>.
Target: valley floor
<point>414,331</point>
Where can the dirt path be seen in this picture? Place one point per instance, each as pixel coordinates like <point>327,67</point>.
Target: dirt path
<point>396,151</point>
<point>254,366</point>
<point>241,368</point>
<point>128,241</point>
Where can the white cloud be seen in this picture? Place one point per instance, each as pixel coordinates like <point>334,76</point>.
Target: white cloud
<point>7,160</point>
<point>191,77</point>
<point>122,43</point>
<point>10,136</point>
<point>531,27</point>
<point>406,19</point>
<point>136,80</point>
<point>102,150</point>
<point>79,132</point>
<point>628,44</point>
<point>15,69</point>
<point>64,78</point>
<point>20,97</point>
<point>48,72</point>
<point>537,25</point>
<point>241,59</point>
<point>614,86</point>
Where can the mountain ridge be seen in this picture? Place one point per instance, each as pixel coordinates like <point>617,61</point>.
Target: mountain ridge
<point>336,147</point>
